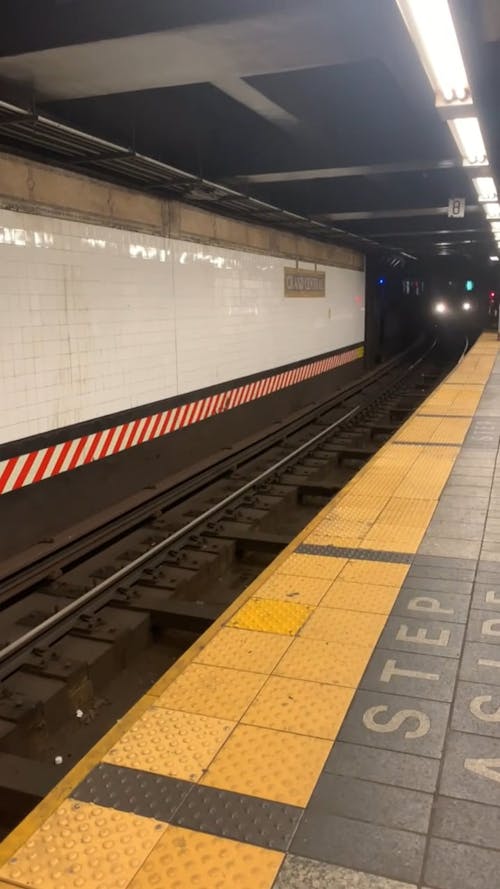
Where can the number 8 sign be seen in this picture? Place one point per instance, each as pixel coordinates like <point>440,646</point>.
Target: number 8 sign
<point>456,208</point>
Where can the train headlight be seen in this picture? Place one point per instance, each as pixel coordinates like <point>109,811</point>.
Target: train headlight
<point>466,307</point>
<point>440,308</point>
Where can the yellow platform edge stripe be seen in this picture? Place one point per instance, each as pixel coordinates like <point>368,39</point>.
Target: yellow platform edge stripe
<point>63,789</point>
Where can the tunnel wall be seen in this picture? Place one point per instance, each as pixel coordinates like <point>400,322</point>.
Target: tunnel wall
<point>97,321</point>
<point>139,336</point>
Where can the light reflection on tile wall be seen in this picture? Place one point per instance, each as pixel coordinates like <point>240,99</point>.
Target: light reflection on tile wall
<point>96,320</point>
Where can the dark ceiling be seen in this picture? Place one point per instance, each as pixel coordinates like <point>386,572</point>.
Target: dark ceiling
<point>319,108</point>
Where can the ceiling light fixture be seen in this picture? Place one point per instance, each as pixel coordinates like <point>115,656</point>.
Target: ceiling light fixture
<point>494,259</point>
<point>431,27</point>
<point>495,227</point>
<point>486,189</point>
<point>469,138</point>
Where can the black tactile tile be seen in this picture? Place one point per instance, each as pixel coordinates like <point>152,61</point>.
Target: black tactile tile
<point>459,866</point>
<point>131,790</point>
<point>449,607</point>
<point>463,821</point>
<point>471,768</point>
<point>484,626</point>
<point>476,709</point>
<point>393,722</point>
<point>341,552</point>
<point>385,766</point>
<point>397,854</point>
<point>366,801</point>
<point>480,663</point>
<point>414,675</point>
<point>423,636</point>
<point>238,817</point>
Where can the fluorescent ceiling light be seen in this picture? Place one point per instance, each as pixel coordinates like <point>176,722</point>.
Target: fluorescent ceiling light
<point>494,259</point>
<point>431,26</point>
<point>469,138</point>
<point>486,188</point>
<point>492,211</point>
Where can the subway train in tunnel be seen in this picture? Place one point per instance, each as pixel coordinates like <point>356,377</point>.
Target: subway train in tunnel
<point>454,311</point>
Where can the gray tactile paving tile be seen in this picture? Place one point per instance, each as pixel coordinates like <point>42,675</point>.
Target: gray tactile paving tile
<point>471,768</point>
<point>303,873</point>
<point>466,822</point>
<point>130,790</point>
<point>484,626</point>
<point>458,866</point>
<point>475,497</point>
<point>408,725</point>
<point>430,585</point>
<point>341,552</point>
<point>476,709</point>
<point>451,607</point>
<point>449,546</point>
<point>429,561</point>
<point>455,530</point>
<point>367,801</point>
<point>486,596</point>
<point>239,817</point>
<point>474,473</point>
<point>468,481</point>
<point>441,571</point>
<point>384,766</point>
<point>422,636</point>
<point>487,571</point>
<point>480,663</point>
<point>456,511</point>
<point>413,675</point>
<point>490,551</point>
<point>464,490</point>
<point>396,854</point>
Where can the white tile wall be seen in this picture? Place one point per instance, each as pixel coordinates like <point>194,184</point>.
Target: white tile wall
<point>96,320</point>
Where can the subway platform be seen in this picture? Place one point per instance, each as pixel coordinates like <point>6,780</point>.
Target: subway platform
<point>339,726</point>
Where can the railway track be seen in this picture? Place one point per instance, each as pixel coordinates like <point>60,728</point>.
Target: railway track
<point>78,626</point>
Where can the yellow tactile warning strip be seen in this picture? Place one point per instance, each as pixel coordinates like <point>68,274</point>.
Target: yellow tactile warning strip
<point>305,708</point>
<point>171,742</point>
<point>213,691</point>
<point>325,662</point>
<point>84,845</point>
<point>255,705</point>
<point>186,859</point>
<point>434,430</point>
<point>276,765</point>
<point>271,616</point>
<point>452,401</point>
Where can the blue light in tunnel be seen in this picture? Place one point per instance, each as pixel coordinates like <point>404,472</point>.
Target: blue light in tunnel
<point>381,281</point>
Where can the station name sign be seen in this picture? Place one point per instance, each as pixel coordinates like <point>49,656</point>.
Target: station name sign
<point>302,282</point>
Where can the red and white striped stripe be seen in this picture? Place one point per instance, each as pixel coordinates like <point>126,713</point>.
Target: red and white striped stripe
<point>27,469</point>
